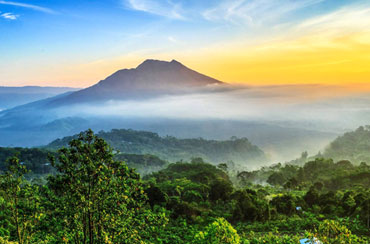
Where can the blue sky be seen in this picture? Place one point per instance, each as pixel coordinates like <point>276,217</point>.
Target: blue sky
<point>40,41</point>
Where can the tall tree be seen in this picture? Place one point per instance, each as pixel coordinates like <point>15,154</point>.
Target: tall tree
<point>98,199</point>
<point>21,203</point>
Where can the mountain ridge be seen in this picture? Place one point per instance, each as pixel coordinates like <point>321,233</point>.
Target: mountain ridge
<point>13,96</point>
<point>353,146</point>
<point>149,79</point>
<point>170,148</point>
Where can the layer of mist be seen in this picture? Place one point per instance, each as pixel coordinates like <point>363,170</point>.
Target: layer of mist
<point>283,120</point>
<point>15,96</point>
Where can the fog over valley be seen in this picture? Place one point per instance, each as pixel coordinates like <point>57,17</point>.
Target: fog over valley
<point>185,122</point>
<point>283,120</point>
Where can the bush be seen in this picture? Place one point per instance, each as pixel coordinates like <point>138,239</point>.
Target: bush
<point>271,238</point>
<point>330,231</point>
<point>5,241</point>
<point>219,232</point>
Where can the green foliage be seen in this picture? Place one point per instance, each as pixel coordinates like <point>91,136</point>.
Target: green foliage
<point>293,224</point>
<point>173,149</point>
<point>271,238</point>
<point>94,197</point>
<point>330,231</point>
<point>98,199</point>
<point>189,189</point>
<point>284,204</point>
<point>20,204</point>
<point>324,174</point>
<point>6,241</point>
<point>247,206</point>
<point>353,146</point>
<point>276,179</point>
<point>144,164</point>
<point>197,171</point>
<point>218,232</point>
<point>34,159</point>
<point>186,191</point>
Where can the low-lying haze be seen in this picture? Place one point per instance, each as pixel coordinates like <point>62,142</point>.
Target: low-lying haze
<point>283,120</point>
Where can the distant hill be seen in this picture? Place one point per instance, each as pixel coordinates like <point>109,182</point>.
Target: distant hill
<point>151,78</point>
<point>36,160</point>
<point>197,171</point>
<point>109,105</point>
<point>353,146</point>
<point>48,118</point>
<point>15,96</point>
<point>144,164</point>
<point>239,150</point>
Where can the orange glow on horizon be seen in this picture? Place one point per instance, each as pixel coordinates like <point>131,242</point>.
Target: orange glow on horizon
<point>341,61</point>
<point>313,59</point>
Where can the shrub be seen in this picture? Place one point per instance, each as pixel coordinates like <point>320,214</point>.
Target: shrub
<point>330,231</point>
<point>218,232</point>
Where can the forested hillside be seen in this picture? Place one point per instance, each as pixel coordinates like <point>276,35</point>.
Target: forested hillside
<point>239,150</point>
<point>353,146</point>
<point>96,199</point>
<point>329,175</point>
<point>37,160</point>
<point>34,159</point>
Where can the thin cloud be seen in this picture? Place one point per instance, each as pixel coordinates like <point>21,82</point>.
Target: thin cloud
<point>29,6</point>
<point>255,12</point>
<point>172,39</point>
<point>166,9</point>
<point>352,19</point>
<point>9,16</point>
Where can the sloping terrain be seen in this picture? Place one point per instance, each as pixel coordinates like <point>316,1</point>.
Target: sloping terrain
<point>239,150</point>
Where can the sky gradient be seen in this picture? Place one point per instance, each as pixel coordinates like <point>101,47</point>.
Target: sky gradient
<point>256,42</point>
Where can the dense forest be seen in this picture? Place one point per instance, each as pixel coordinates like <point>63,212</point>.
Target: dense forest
<point>330,175</point>
<point>37,161</point>
<point>353,146</point>
<point>92,196</point>
<point>34,159</point>
<point>238,150</point>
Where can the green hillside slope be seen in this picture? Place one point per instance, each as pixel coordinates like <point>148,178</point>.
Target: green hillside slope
<point>239,150</point>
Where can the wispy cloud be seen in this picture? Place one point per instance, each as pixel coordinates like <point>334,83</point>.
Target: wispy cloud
<point>172,39</point>
<point>254,12</point>
<point>9,16</point>
<point>166,9</point>
<point>352,19</point>
<point>29,6</point>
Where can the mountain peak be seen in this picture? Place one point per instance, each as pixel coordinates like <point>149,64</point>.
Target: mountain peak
<point>158,64</point>
<point>150,79</point>
<point>175,62</point>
